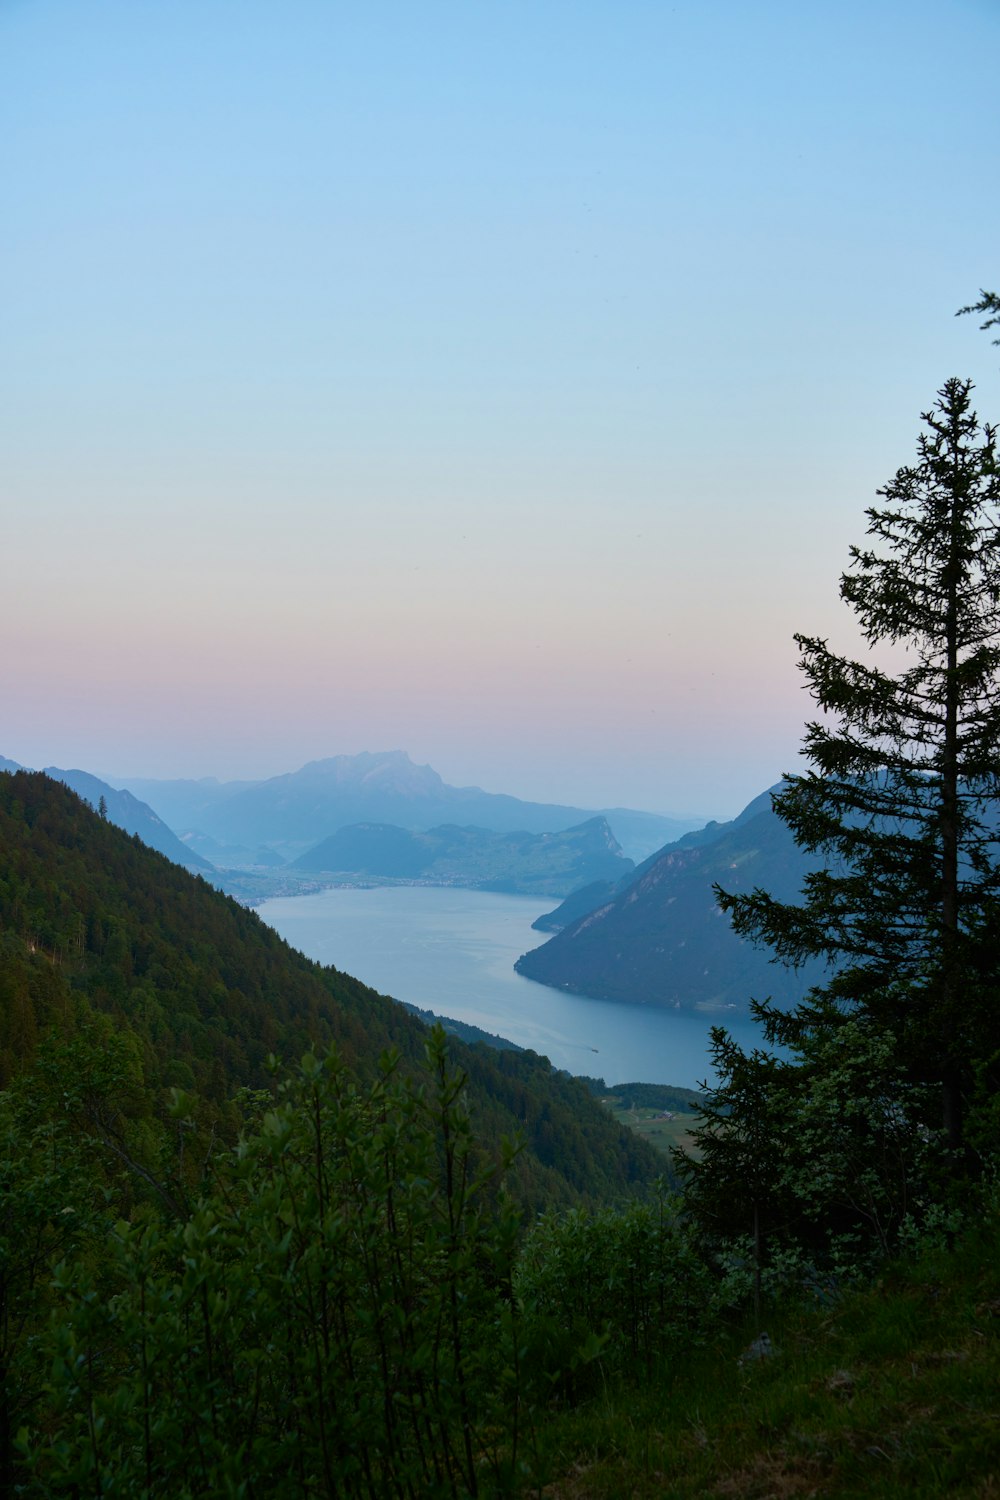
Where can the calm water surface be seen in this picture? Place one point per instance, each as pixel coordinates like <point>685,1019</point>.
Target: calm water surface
<point>452,951</point>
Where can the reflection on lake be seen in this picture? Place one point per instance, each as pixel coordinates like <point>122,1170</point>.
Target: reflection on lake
<point>452,951</point>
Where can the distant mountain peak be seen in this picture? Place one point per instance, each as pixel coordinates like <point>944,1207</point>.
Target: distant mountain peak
<point>291,813</point>
<point>391,769</point>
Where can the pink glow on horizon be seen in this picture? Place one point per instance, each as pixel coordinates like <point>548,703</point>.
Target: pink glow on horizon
<point>508,391</point>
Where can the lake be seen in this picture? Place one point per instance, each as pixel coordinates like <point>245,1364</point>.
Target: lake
<point>452,951</point>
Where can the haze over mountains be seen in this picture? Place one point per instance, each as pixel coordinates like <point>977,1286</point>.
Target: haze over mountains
<point>477,858</point>
<point>651,934</point>
<point>292,813</point>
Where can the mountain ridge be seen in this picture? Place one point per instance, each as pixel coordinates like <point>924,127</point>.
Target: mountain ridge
<point>127,812</point>
<point>296,810</point>
<point>658,937</point>
<point>476,858</point>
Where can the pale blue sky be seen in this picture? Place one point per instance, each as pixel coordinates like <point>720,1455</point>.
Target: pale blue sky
<point>505,383</point>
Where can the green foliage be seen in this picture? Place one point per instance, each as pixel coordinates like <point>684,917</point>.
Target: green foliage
<point>570,1141</point>
<point>334,1319</point>
<point>816,1163</point>
<point>733,1184</point>
<point>890,1390</point>
<point>625,1285</point>
<point>48,1210</point>
<point>321,1304</point>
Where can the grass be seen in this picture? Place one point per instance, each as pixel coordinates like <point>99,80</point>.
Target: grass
<point>894,1392</point>
<point>666,1135</point>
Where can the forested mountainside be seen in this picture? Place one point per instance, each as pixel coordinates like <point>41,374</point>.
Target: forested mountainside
<point>132,815</point>
<point>527,863</point>
<point>659,938</point>
<point>126,811</point>
<point>103,940</point>
<point>582,902</point>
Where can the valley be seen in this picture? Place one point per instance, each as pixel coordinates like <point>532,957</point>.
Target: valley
<point>453,952</point>
<point>640,935</point>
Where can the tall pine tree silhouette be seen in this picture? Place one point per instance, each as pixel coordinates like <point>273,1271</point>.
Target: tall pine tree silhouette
<point>902,793</point>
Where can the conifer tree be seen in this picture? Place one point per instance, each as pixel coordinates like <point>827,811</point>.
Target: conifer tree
<point>902,792</point>
<point>989,303</point>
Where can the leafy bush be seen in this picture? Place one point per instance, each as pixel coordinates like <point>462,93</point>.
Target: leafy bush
<point>330,1320</point>
<point>816,1164</point>
<point>625,1285</point>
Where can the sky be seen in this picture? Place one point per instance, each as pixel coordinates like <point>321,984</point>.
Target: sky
<point>505,383</point>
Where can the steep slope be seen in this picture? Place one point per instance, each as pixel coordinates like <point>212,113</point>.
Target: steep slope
<point>542,863</point>
<point>133,816</point>
<point>581,903</point>
<point>126,811</point>
<point>659,938</point>
<point>93,924</point>
<point>294,812</point>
